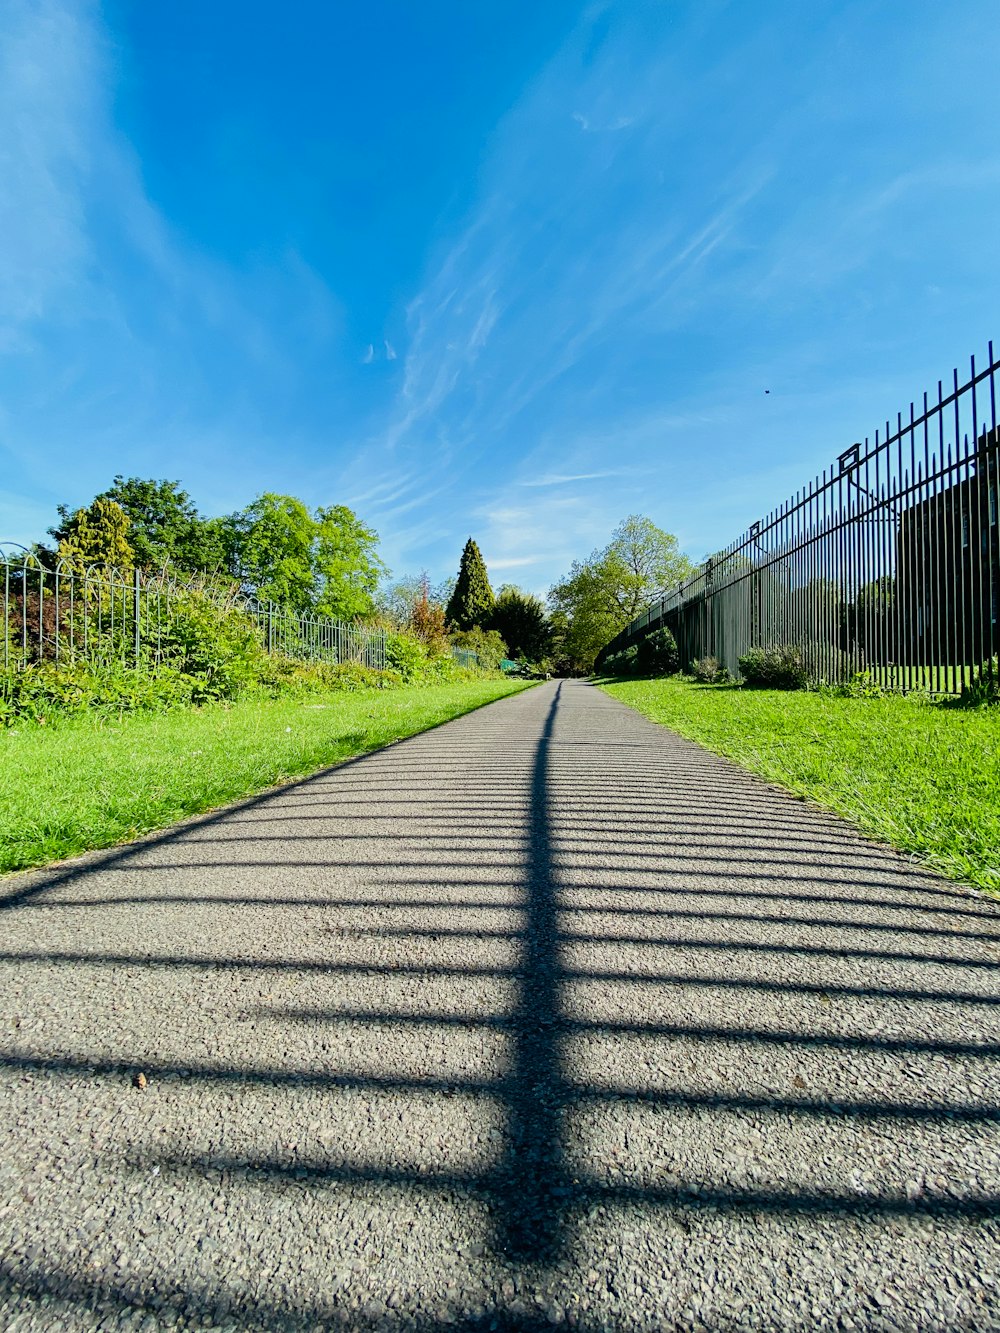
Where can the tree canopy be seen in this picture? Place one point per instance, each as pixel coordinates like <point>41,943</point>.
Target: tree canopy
<point>472,602</point>
<point>521,621</point>
<point>165,527</point>
<point>97,535</point>
<point>323,561</point>
<point>600,595</point>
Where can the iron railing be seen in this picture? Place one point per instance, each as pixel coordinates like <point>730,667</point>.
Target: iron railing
<point>887,563</point>
<point>65,614</point>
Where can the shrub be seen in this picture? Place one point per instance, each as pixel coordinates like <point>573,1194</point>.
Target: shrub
<point>289,677</point>
<point>37,692</point>
<point>656,654</point>
<point>984,688</point>
<point>486,644</point>
<point>861,685</point>
<point>405,654</point>
<point>710,671</point>
<point>217,645</point>
<point>623,663</point>
<point>781,668</point>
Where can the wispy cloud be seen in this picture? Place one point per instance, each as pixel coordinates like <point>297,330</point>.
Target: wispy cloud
<point>125,344</point>
<point>566,479</point>
<point>611,127</point>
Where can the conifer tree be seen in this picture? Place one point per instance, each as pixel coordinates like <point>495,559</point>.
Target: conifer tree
<point>472,602</point>
<point>97,536</point>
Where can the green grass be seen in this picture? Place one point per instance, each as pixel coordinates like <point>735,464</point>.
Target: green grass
<point>922,776</point>
<point>86,783</point>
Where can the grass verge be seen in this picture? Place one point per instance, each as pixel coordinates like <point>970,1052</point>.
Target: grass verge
<point>920,775</point>
<point>87,783</point>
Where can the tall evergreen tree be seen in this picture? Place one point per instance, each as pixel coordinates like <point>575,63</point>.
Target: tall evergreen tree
<point>472,602</point>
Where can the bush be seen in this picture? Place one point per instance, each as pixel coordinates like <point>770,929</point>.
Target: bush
<point>289,677</point>
<point>984,688</point>
<point>623,663</point>
<point>782,668</point>
<point>861,685</point>
<point>656,654</point>
<point>216,645</point>
<point>38,692</point>
<point>488,646</point>
<point>405,654</point>
<point>710,671</point>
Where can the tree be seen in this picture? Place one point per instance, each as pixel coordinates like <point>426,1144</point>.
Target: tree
<point>271,550</point>
<point>427,619</point>
<point>472,602</point>
<point>97,535</point>
<point>601,594</point>
<point>520,620</point>
<point>323,561</point>
<point>166,529</point>
<point>397,601</point>
<point>346,565</point>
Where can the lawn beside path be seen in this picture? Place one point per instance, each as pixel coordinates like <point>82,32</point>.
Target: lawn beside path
<point>922,776</point>
<point>90,782</point>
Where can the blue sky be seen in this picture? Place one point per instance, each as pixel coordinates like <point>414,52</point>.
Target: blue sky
<point>502,269</point>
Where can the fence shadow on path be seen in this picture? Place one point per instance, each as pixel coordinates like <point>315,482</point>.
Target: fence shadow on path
<point>587,960</point>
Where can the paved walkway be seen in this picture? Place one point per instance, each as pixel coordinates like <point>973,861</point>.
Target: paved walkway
<point>546,1016</point>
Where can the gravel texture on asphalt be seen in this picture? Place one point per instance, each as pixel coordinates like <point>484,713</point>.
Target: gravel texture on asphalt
<point>545,1017</point>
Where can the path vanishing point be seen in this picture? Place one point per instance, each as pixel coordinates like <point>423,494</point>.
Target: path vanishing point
<point>545,1017</point>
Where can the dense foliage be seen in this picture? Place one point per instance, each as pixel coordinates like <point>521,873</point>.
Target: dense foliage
<point>472,602</point>
<point>97,535</point>
<point>488,646</point>
<point>322,561</point>
<point>656,654</point>
<point>622,663</point>
<point>520,620</point>
<point>601,594</point>
<point>165,528</point>
<point>781,668</point>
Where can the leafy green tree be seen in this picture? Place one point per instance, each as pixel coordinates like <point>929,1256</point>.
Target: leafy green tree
<point>166,529</point>
<point>347,568</point>
<point>97,535</point>
<point>601,594</point>
<point>520,620</point>
<point>472,602</point>
<point>271,550</point>
<point>322,561</point>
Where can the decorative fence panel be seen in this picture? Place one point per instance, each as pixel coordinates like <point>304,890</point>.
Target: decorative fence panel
<point>65,614</point>
<point>887,563</point>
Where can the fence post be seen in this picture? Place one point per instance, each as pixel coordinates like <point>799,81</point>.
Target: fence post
<point>136,609</point>
<point>270,627</point>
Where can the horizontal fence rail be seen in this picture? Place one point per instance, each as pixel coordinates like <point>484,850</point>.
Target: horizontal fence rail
<point>133,618</point>
<point>888,563</point>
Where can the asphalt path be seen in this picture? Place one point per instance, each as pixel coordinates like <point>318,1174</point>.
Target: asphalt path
<point>545,1017</point>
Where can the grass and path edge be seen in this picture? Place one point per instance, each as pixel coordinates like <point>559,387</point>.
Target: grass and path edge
<point>85,788</point>
<point>917,775</point>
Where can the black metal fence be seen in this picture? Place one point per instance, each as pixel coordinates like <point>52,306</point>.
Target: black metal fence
<point>134,618</point>
<point>888,563</point>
